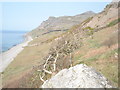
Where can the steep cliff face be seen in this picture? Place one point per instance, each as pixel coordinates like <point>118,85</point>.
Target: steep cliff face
<point>60,23</point>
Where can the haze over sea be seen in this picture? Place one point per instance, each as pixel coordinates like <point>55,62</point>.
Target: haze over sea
<point>11,38</point>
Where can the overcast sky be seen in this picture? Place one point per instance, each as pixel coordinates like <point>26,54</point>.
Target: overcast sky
<point>26,16</point>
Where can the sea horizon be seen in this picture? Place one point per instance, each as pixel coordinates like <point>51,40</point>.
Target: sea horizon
<point>11,38</point>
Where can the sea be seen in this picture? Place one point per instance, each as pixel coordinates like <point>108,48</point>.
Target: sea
<point>11,38</point>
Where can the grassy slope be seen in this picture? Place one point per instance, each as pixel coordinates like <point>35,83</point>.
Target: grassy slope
<point>93,53</point>
<point>27,59</point>
<point>100,56</point>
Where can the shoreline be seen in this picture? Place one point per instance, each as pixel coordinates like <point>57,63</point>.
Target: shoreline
<point>8,56</point>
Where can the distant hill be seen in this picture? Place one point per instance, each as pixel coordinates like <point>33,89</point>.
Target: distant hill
<point>60,23</point>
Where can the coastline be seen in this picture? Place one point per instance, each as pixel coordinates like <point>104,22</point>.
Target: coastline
<point>8,56</point>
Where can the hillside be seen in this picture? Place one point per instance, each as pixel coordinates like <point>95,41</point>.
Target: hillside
<point>105,17</point>
<point>92,41</point>
<point>62,23</point>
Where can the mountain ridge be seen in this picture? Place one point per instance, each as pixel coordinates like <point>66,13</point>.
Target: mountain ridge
<point>60,23</point>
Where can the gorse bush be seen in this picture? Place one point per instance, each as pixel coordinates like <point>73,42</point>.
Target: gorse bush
<point>88,28</point>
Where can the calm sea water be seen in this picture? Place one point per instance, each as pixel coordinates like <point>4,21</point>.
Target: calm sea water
<point>11,38</point>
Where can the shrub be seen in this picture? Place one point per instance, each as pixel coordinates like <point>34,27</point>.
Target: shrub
<point>88,28</point>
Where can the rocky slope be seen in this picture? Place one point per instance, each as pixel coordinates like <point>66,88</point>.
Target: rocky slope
<point>79,76</point>
<point>103,18</point>
<point>60,23</point>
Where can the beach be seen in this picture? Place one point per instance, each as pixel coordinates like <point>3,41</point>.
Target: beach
<point>7,57</point>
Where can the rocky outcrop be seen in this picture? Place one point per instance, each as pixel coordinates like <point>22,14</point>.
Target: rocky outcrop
<point>79,76</point>
<point>103,18</point>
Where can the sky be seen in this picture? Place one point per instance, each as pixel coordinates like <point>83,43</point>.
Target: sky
<point>26,16</point>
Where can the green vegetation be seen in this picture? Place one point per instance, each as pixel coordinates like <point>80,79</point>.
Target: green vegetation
<point>103,62</point>
<point>25,61</point>
<point>108,54</point>
<point>105,55</point>
<point>97,55</point>
<point>93,43</point>
<point>88,28</point>
<point>93,58</point>
<point>114,22</point>
<point>71,45</point>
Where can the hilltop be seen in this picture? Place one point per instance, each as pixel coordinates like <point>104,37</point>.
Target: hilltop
<point>62,23</point>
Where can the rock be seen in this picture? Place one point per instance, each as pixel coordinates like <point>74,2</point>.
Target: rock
<point>79,76</point>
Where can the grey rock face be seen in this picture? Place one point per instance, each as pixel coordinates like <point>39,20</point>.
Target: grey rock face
<point>79,76</point>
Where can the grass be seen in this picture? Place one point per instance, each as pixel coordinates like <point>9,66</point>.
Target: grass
<point>108,54</point>
<point>48,37</point>
<point>98,56</point>
<point>27,59</point>
<point>87,20</point>
<point>93,58</point>
<point>93,43</point>
<point>103,62</point>
<point>114,22</point>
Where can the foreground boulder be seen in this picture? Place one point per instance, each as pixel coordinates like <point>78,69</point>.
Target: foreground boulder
<point>79,76</point>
